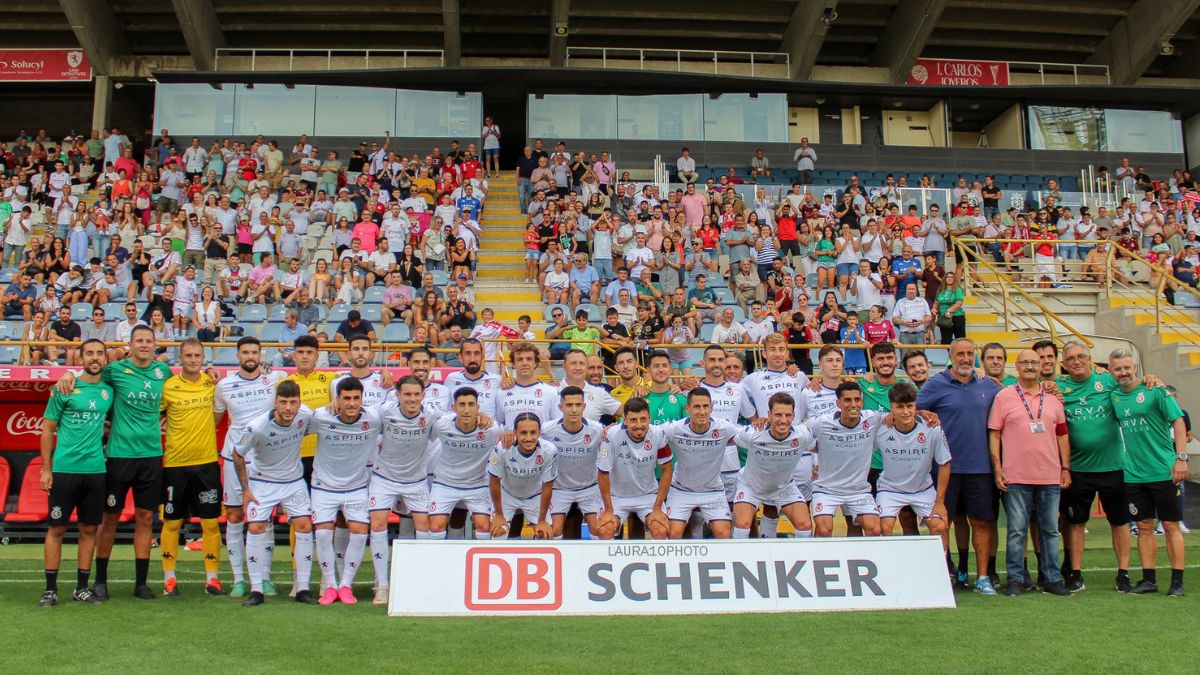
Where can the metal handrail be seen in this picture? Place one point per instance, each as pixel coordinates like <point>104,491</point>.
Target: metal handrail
<point>753,58</point>
<point>1040,68</point>
<point>253,53</point>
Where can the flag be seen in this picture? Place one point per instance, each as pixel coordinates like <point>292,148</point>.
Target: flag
<point>1193,197</point>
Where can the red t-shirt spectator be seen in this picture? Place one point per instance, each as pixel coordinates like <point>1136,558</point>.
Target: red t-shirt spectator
<point>787,228</point>
<point>879,331</point>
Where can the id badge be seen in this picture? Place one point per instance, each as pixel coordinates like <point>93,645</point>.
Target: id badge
<point>1037,427</point>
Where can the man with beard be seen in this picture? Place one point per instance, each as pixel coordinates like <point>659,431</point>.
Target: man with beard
<point>485,384</point>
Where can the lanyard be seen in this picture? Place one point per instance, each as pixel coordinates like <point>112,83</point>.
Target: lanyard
<point>1041,401</point>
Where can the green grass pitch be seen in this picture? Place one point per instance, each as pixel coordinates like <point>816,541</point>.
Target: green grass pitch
<point>1096,631</point>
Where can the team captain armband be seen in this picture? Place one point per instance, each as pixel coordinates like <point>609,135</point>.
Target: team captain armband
<point>1060,429</point>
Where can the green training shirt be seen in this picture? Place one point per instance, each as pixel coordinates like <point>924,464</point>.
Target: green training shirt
<point>875,397</point>
<point>137,393</point>
<point>666,407</point>
<point>1095,436</point>
<point>79,446</point>
<point>1145,416</point>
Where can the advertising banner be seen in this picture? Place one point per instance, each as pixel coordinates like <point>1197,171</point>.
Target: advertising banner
<point>442,578</point>
<point>958,73</point>
<point>44,65</point>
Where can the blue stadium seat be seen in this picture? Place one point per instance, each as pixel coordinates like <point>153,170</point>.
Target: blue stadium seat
<point>113,310</point>
<point>81,311</point>
<point>10,354</point>
<point>225,356</point>
<point>593,312</point>
<point>724,295</point>
<point>373,294</point>
<point>255,312</point>
<point>738,314</point>
<point>277,312</point>
<point>251,329</point>
<point>1185,299</point>
<point>269,332</point>
<point>338,312</point>
<point>396,332</point>
<point>546,314</point>
<point>372,313</point>
<point>440,277</point>
<point>706,332</point>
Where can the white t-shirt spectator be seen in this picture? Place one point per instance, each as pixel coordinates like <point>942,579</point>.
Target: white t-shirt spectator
<point>194,159</point>
<point>173,182</point>
<point>866,295</point>
<point>685,164</point>
<point>759,330</point>
<point>735,333</point>
<point>636,259</point>
<point>913,309</point>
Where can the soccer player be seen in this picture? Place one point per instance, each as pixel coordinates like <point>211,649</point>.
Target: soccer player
<point>698,444</point>
<point>522,479</point>
<point>1155,440</point>
<point>399,477</point>
<point>377,384</point>
<point>626,473</point>
<point>134,454</point>
<point>875,397</point>
<point>598,403</point>
<point>773,455</point>
<point>245,395</point>
<point>777,376</point>
<point>820,397</point>
<point>527,393</point>
<point>276,479</point>
<point>726,400</point>
<point>485,384</point>
<point>191,473</point>
<point>460,471</point>
<point>845,440</point>
<point>73,469</point>
<point>420,364</point>
<point>345,443</point>
<point>910,450</point>
<point>666,404</point>
<point>577,442</point>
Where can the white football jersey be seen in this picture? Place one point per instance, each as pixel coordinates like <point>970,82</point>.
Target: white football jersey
<point>374,393</point>
<point>245,400</point>
<point>538,398</point>
<point>698,454</point>
<point>462,460</point>
<point>274,450</point>
<point>344,449</point>
<point>817,403</point>
<point>435,397</point>
<point>521,475</point>
<point>403,444</point>
<point>487,386</point>
<point>576,453</point>
<point>630,464</point>
<point>761,384</point>
<point>844,454</point>
<point>909,458</point>
<point>770,461</point>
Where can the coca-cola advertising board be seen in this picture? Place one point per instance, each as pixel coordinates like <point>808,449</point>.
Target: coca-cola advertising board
<point>24,391</point>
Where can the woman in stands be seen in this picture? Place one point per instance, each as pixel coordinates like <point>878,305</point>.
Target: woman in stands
<point>425,313</point>
<point>433,244</point>
<point>825,254</point>
<point>1160,257</point>
<point>58,260</point>
<point>163,332</point>
<point>669,260</point>
<point>948,309</point>
<point>122,188</point>
<point>143,187</point>
<point>36,330</point>
<point>208,316</point>
<point>320,282</point>
<point>848,248</point>
<point>460,260</point>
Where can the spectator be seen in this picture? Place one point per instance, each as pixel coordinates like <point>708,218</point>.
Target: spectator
<point>746,285</point>
<point>556,285</point>
<point>622,282</point>
<point>704,300</point>
<point>583,334</point>
<point>353,325</point>
<point>806,159</point>
<point>685,167</point>
<point>98,328</point>
<point>261,285</point>
<point>64,330</point>
<point>585,281</point>
<point>19,298</point>
<point>905,270</point>
<point>760,166</point>
<point>912,316</point>
<point>948,308</point>
<point>456,312</point>
<point>397,301</point>
<point>36,330</point>
<point>288,333</point>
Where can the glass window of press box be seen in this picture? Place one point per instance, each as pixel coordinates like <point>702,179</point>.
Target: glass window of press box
<point>1104,129</point>
<point>687,117</point>
<point>273,109</point>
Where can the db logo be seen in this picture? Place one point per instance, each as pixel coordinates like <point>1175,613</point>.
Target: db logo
<point>514,579</point>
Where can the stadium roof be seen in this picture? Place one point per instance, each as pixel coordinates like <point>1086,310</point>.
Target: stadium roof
<point>1127,35</point>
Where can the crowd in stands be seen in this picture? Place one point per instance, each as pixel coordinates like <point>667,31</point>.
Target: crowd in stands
<point>202,239</point>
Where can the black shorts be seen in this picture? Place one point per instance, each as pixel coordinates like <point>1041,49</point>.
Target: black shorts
<point>972,495</point>
<point>144,475</point>
<point>1148,501</point>
<point>307,463</point>
<point>192,491</point>
<point>873,478</point>
<point>787,246</point>
<point>77,491</point>
<point>245,249</point>
<point>1076,502</point>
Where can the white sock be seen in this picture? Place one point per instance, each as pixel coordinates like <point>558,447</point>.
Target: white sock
<point>479,534</point>
<point>326,557</point>
<point>341,538</point>
<point>558,537</point>
<point>304,558</point>
<point>741,533</point>
<point>268,557</point>
<point>408,528</point>
<point>768,528</point>
<point>426,534</point>
<point>456,533</point>
<point>379,557</point>
<point>434,535</point>
<point>235,546</point>
<point>353,558</point>
<point>804,534</point>
<point>254,558</point>
<point>209,576</point>
<point>168,574</point>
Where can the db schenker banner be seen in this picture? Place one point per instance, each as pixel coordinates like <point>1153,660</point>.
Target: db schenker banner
<point>440,578</point>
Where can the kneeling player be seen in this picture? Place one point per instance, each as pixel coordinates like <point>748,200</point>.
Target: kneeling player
<point>276,478</point>
<point>772,455</point>
<point>577,441</point>
<point>626,462</point>
<point>845,440</point>
<point>910,449</point>
<point>73,469</point>
<point>522,479</point>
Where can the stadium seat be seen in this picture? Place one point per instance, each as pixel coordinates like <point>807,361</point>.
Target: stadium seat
<point>277,312</point>
<point>269,332</point>
<point>396,332</point>
<point>337,313</point>
<point>225,356</point>
<point>10,353</point>
<point>706,332</point>
<point>551,308</point>
<point>593,312</point>
<point>81,311</point>
<point>373,294</point>
<point>113,310</point>
<point>724,295</point>
<point>251,329</point>
<point>255,312</point>
<point>372,313</point>
<point>6,330</point>
<point>440,277</point>
<point>33,503</point>
<point>738,315</point>
<point>1185,299</point>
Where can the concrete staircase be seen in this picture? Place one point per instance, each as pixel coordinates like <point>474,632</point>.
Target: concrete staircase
<point>499,281</point>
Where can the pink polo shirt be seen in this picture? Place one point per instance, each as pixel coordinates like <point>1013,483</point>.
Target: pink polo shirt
<point>367,232</point>
<point>1028,458</point>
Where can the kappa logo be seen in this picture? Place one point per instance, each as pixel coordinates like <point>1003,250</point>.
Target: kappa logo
<point>513,579</point>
